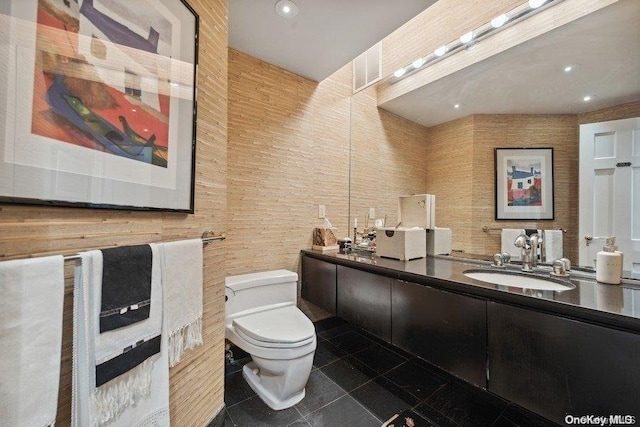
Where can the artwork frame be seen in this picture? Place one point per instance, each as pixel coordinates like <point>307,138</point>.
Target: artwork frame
<point>524,184</point>
<point>98,103</point>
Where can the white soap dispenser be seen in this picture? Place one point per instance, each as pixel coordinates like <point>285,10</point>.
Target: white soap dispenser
<point>609,263</point>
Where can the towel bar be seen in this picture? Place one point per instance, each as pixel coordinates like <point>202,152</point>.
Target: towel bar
<point>207,237</point>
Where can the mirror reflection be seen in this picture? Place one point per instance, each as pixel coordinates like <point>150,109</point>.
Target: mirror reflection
<point>532,95</point>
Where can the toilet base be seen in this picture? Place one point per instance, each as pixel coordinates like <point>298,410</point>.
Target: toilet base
<point>267,397</point>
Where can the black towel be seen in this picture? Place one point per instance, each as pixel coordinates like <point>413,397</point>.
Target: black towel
<point>126,286</point>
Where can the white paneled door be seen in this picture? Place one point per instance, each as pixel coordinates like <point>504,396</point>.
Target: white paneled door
<point>610,190</point>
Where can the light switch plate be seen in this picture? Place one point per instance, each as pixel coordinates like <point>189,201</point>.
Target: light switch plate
<point>322,212</point>
<point>372,213</point>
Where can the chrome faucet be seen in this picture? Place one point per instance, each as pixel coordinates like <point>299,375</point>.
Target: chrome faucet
<point>535,242</point>
<point>528,250</point>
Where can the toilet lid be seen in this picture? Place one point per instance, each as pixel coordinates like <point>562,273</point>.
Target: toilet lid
<point>282,325</point>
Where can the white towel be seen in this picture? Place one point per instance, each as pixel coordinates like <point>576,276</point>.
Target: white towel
<point>129,399</point>
<point>182,282</point>
<point>508,238</point>
<point>31,297</point>
<point>552,245</point>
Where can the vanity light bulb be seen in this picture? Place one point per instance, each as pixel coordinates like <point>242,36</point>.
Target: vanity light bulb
<point>418,63</point>
<point>466,38</point>
<point>440,51</point>
<point>499,21</point>
<point>400,72</point>
<point>534,4</point>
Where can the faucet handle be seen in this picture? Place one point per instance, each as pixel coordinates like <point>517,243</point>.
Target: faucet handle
<point>559,268</point>
<point>500,259</point>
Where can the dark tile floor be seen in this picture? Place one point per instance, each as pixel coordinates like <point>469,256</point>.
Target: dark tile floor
<point>360,381</point>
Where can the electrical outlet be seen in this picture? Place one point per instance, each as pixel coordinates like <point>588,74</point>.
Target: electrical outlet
<point>322,212</point>
<point>372,213</point>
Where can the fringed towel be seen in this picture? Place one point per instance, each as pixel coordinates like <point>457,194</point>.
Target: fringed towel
<point>31,297</point>
<point>121,376</point>
<point>182,283</point>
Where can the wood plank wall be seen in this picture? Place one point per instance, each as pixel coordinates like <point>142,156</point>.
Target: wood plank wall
<point>289,142</point>
<point>466,203</point>
<point>461,171</point>
<point>388,159</point>
<point>288,153</point>
<point>197,383</point>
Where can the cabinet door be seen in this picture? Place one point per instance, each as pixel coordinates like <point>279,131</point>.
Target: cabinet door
<point>446,329</point>
<point>364,299</point>
<point>556,366</point>
<point>319,283</point>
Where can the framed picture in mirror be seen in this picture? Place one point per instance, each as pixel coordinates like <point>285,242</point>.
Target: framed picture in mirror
<point>524,184</point>
<point>98,105</point>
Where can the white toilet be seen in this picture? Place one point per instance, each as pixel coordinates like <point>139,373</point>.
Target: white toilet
<point>261,318</point>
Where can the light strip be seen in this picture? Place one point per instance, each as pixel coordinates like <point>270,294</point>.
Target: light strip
<point>517,14</point>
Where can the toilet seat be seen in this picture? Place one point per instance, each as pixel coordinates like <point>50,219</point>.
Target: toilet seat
<point>285,327</point>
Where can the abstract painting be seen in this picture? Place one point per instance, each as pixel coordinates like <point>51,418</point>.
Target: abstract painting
<point>524,183</point>
<point>111,97</point>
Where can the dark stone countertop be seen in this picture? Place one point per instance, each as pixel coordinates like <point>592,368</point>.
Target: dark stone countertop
<point>616,306</point>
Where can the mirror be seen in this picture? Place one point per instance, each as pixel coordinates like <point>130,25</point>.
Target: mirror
<point>519,98</point>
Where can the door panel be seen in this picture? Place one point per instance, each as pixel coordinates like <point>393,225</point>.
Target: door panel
<point>610,189</point>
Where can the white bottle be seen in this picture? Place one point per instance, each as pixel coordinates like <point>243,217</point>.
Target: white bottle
<point>609,264</point>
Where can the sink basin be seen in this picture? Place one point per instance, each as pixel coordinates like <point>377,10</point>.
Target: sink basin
<point>519,280</point>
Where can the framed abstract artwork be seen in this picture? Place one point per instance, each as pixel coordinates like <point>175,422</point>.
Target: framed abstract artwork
<point>98,105</point>
<point>524,183</point>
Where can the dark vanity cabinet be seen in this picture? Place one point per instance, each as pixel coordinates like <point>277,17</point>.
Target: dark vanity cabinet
<point>446,329</point>
<point>556,366</point>
<point>364,299</point>
<point>319,283</point>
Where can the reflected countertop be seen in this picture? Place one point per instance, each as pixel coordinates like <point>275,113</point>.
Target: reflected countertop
<point>612,305</point>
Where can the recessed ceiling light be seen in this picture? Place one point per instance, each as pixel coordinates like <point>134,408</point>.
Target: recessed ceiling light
<point>418,63</point>
<point>466,38</point>
<point>588,98</point>
<point>400,72</point>
<point>499,21</point>
<point>286,8</point>
<point>570,67</point>
<point>534,4</point>
<point>440,51</point>
<point>456,106</point>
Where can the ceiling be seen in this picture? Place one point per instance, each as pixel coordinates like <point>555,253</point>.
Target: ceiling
<point>322,38</point>
<point>529,78</point>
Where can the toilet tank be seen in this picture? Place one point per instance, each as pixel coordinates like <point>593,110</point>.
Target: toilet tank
<point>256,290</point>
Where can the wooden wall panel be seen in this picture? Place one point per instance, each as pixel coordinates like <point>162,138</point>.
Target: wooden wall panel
<point>462,175</point>
<point>289,151</point>
<point>624,111</point>
<point>197,383</point>
<point>388,159</point>
<point>450,178</point>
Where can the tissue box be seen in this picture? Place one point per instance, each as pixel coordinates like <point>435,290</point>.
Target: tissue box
<point>401,243</point>
<point>324,237</point>
<point>439,241</point>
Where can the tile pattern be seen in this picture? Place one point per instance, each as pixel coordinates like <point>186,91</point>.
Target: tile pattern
<point>359,380</point>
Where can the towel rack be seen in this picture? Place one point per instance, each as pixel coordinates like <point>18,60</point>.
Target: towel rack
<point>487,229</point>
<point>207,237</point>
